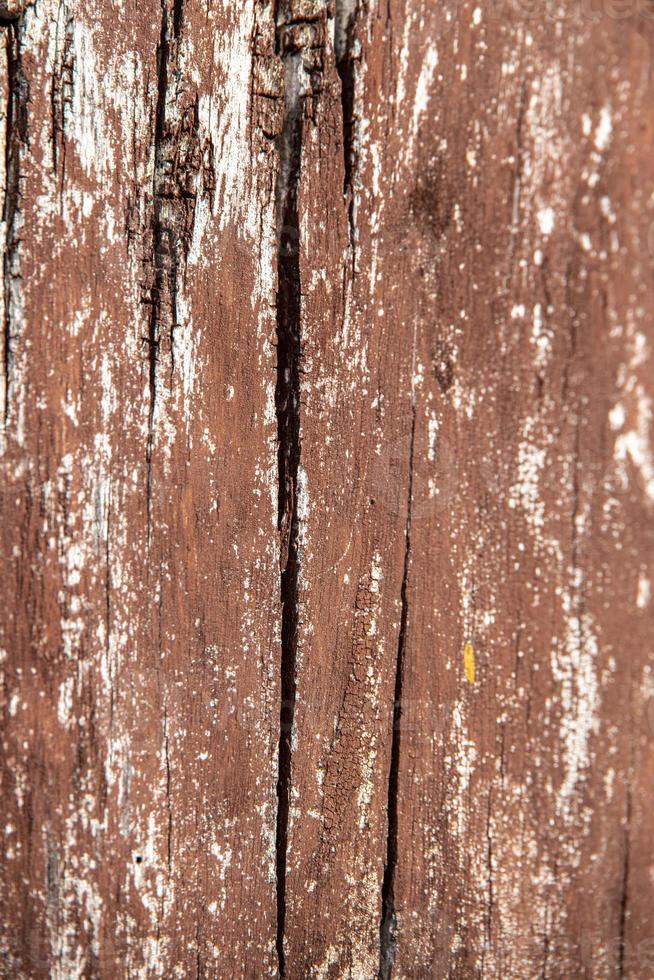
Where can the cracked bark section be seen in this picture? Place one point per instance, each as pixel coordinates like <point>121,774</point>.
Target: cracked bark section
<point>388,924</point>
<point>287,403</point>
<point>61,92</point>
<point>183,171</point>
<point>162,298</point>
<point>135,636</point>
<point>16,138</point>
<point>345,48</point>
<point>313,837</point>
<point>300,46</point>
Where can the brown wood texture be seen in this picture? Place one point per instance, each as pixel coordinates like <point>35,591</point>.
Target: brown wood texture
<point>327,488</point>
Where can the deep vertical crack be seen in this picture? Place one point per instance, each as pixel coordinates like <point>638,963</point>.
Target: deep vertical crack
<point>344,23</point>
<point>287,403</point>
<point>156,298</point>
<point>178,17</point>
<point>174,198</point>
<point>169,802</point>
<point>15,139</point>
<point>388,924</point>
<point>624,892</point>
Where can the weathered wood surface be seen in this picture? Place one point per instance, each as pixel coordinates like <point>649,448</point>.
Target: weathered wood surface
<point>327,489</point>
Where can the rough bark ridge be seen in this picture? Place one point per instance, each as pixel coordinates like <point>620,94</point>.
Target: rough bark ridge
<point>327,485</point>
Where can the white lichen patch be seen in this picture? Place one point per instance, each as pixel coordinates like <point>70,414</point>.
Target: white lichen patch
<point>635,445</point>
<point>541,339</point>
<point>545,218</point>
<point>575,668</point>
<point>525,492</point>
<point>423,90</point>
<point>644,592</point>
<point>633,418</point>
<point>604,129</point>
<point>432,436</point>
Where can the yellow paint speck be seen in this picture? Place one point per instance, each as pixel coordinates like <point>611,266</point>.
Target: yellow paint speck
<point>469,662</point>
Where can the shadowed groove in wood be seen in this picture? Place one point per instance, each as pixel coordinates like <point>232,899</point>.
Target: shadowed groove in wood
<point>624,889</point>
<point>287,404</point>
<point>345,20</point>
<point>154,326</point>
<point>499,212</point>
<point>15,134</point>
<point>388,924</point>
<point>168,222</point>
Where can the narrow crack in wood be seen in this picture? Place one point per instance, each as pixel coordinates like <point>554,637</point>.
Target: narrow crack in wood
<point>155,299</point>
<point>15,137</point>
<point>489,879</point>
<point>388,924</point>
<point>173,212</point>
<point>61,93</point>
<point>624,891</point>
<point>346,12</point>
<point>287,404</point>
<point>169,801</point>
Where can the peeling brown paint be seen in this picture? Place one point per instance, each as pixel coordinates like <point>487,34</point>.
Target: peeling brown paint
<point>326,489</point>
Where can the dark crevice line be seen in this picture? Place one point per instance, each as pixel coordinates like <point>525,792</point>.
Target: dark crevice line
<point>166,229</point>
<point>345,21</point>
<point>154,325</point>
<point>198,957</point>
<point>388,924</point>
<point>624,894</point>
<point>489,876</point>
<point>516,197</point>
<point>61,92</point>
<point>15,136</point>
<point>287,404</point>
<point>54,121</point>
<point>169,802</point>
<point>178,17</point>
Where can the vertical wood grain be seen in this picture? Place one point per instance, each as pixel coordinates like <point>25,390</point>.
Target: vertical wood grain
<point>141,612</point>
<point>326,489</point>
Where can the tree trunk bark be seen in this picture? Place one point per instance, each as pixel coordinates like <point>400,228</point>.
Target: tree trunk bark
<point>327,489</point>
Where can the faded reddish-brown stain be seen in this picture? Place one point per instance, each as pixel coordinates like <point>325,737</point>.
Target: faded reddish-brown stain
<point>327,489</point>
